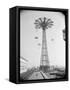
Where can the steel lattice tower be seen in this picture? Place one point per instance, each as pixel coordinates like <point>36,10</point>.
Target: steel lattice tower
<point>44,23</point>
<point>44,63</point>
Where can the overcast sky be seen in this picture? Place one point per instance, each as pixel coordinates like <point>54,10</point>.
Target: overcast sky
<point>29,47</point>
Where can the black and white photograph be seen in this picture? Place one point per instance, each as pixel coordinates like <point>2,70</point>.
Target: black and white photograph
<point>34,44</point>
<point>42,45</point>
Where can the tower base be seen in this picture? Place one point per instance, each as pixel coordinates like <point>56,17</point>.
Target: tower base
<point>45,68</point>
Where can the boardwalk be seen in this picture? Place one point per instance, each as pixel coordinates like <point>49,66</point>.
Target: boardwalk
<point>35,75</point>
<point>39,74</point>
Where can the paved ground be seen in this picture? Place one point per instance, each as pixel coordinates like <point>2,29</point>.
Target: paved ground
<point>39,75</point>
<point>36,75</point>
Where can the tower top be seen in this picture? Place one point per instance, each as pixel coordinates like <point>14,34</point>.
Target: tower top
<point>43,23</point>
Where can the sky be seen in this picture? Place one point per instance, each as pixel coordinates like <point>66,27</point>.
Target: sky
<point>30,48</point>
